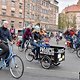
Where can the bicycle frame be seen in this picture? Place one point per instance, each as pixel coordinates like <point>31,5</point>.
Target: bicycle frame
<point>5,61</point>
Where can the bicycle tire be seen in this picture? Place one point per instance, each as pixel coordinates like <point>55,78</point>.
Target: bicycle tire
<point>14,65</point>
<point>29,55</point>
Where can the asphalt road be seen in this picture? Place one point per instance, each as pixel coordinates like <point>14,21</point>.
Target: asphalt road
<point>67,70</point>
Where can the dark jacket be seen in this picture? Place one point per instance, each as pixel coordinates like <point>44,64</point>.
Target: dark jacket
<point>5,34</point>
<point>36,36</point>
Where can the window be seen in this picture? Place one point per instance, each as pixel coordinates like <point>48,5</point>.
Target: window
<point>27,15</point>
<point>32,16</point>
<point>20,24</point>
<point>3,11</point>
<point>43,3</point>
<point>34,0</point>
<point>20,5</point>
<point>20,14</point>
<point>12,23</point>
<point>46,19</point>
<point>28,6</point>
<point>13,3</point>
<point>4,2</point>
<point>12,13</point>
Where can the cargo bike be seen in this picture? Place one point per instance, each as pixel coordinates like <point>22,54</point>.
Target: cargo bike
<point>49,55</point>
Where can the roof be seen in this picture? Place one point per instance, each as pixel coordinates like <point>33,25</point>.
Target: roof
<point>72,8</point>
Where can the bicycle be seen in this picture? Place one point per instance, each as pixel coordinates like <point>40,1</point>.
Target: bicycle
<point>13,62</point>
<point>48,55</point>
<point>25,46</point>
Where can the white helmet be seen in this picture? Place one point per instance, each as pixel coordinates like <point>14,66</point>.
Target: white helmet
<point>37,28</point>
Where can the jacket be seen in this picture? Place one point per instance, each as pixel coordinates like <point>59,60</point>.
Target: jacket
<point>5,34</point>
<point>27,33</point>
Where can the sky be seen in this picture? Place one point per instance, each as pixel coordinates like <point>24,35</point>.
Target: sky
<point>64,3</point>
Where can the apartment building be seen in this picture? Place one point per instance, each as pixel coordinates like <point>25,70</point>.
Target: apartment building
<point>13,11</point>
<point>41,11</point>
<point>21,13</point>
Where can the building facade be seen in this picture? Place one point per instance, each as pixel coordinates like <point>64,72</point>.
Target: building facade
<point>41,11</point>
<point>13,11</point>
<point>73,14</point>
<point>21,13</point>
<point>78,2</point>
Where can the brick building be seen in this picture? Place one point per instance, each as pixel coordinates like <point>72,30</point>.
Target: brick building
<point>13,11</point>
<point>23,12</point>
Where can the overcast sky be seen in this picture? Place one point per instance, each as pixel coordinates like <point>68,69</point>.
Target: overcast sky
<point>64,3</point>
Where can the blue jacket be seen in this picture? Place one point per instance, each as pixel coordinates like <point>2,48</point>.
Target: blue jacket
<point>79,34</point>
<point>5,34</point>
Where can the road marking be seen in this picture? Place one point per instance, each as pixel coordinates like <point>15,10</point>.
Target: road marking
<point>33,68</point>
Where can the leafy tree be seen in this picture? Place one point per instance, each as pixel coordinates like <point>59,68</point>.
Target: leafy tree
<point>66,21</point>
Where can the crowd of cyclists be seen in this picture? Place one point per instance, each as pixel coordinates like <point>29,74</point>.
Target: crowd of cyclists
<point>36,34</point>
<point>72,37</point>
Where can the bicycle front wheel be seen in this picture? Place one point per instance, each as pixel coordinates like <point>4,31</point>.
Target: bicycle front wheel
<point>78,53</point>
<point>29,55</point>
<point>16,67</point>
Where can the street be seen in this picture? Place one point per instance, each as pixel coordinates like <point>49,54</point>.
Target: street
<point>67,70</point>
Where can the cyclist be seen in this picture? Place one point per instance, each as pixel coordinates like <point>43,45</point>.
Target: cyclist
<point>36,39</point>
<point>4,35</point>
<point>26,35</point>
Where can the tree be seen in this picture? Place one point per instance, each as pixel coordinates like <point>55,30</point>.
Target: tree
<point>73,23</point>
<point>62,21</point>
<point>66,21</point>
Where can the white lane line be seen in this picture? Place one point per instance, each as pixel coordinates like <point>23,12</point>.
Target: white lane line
<point>32,68</point>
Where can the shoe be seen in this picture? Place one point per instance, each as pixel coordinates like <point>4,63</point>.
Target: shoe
<point>7,65</point>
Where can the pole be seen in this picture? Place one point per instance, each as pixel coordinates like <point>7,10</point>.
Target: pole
<point>24,15</point>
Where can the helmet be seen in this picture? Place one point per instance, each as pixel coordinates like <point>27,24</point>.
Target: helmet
<point>37,28</point>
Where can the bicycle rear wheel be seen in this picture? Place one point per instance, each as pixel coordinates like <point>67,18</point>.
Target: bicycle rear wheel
<point>46,62</point>
<point>16,67</point>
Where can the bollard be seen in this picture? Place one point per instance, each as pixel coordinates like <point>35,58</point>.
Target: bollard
<point>79,75</point>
